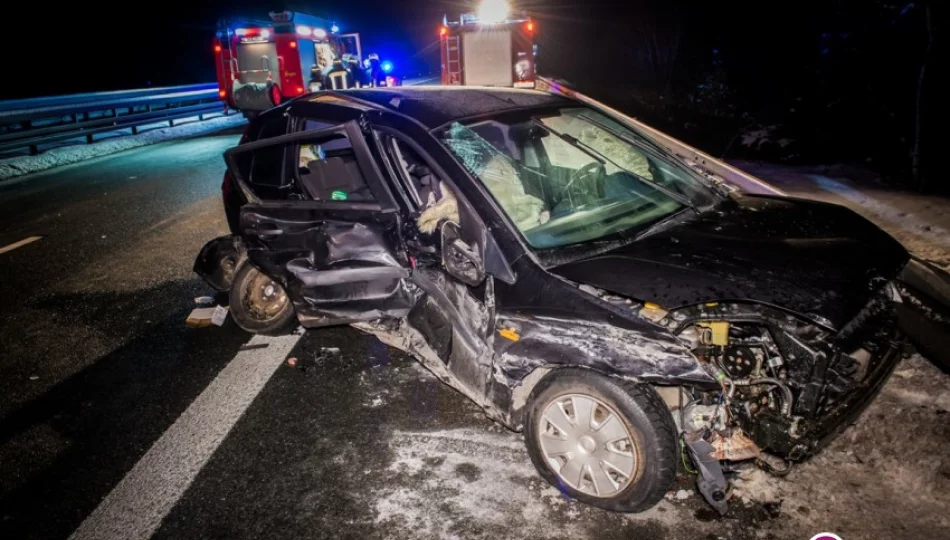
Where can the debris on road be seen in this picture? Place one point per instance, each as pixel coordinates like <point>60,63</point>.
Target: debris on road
<point>202,317</point>
<point>322,355</point>
<point>34,377</point>
<point>204,300</point>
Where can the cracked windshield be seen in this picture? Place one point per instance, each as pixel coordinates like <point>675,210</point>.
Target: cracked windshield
<point>573,177</point>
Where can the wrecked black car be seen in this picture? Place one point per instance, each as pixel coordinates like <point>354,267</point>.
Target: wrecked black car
<point>566,273</point>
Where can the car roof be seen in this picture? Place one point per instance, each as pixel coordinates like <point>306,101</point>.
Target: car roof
<point>435,106</point>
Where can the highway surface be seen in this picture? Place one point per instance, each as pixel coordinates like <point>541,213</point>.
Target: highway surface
<point>118,421</point>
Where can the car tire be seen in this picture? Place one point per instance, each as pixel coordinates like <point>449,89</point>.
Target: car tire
<point>259,304</point>
<point>647,425</point>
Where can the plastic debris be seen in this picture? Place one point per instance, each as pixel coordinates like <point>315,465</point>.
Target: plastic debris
<point>292,361</point>
<point>204,300</point>
<point>219,315</point>
<point>34,377</point>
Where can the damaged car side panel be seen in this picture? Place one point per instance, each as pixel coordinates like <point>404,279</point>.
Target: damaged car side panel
<point>337,266</point>
<point>528,341</point>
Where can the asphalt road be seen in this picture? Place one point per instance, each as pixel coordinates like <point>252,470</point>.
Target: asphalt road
<point>118,421</point>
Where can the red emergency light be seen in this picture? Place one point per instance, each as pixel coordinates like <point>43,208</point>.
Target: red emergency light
<point>443,31</point>
<point>529,26</point>
<point>262,33</point>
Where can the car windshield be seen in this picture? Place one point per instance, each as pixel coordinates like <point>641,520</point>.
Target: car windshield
<point>574,176</point>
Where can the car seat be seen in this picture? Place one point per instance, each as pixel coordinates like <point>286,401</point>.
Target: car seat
<point>335,178</point>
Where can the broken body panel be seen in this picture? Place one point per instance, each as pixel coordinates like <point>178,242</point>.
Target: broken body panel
<point>775,311</point>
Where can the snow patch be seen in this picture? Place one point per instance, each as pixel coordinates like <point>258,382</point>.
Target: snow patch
<point>67,155</point>
<point>465,483</point>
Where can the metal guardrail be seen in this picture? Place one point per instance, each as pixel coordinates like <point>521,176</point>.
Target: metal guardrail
<point>31,123</point>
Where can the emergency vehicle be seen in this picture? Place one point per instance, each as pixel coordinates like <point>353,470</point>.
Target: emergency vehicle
<point>495,52</point>
<point>260,64</point>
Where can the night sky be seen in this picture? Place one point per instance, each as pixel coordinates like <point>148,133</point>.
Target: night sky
<point>840,75</point>
<point>578,39</point>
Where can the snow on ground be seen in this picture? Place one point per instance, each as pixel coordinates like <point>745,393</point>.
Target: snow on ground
<point>920,222</point>
<point>67,155</point>
<point>479,483</point>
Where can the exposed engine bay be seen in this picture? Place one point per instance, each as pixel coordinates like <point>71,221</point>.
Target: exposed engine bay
<point>783,381</point>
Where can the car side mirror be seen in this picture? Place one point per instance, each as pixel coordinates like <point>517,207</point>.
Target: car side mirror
<point>460,260</point>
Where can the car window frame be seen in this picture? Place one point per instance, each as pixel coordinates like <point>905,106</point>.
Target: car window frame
<point>264,125</point>
<point>389,143</point>
<point>402,175</point>
<point>373,176</point>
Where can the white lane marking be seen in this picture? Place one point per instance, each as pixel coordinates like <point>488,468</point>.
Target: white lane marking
<point>137,505</point>
<point>21,243</point>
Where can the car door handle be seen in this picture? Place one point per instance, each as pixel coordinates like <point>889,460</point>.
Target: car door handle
<point>269,232</point>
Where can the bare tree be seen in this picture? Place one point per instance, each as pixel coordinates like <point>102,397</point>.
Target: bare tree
<point>921,179</point>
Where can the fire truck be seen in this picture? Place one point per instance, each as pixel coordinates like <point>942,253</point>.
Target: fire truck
<point>480,51</point>
<point>261,63</point>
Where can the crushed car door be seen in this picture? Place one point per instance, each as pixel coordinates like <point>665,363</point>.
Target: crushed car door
<point>336,245</point>
<point>457,262</point>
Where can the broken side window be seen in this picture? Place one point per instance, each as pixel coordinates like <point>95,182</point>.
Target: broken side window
<point>265,167</point>
<point>328,170</point>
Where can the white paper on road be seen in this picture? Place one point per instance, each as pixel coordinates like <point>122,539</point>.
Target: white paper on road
<point>137,505</point>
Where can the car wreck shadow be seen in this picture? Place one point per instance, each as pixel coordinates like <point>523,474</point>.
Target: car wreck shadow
<point>64,451</point>
<point>310,458</point>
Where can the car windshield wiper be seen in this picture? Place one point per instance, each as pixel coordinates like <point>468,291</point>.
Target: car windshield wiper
<point>658,224</point>
<point>602,159</point>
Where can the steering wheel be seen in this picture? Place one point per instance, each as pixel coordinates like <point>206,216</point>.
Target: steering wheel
<point>586,184</point>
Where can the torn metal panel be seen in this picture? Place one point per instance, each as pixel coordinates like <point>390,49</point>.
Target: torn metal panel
<point>403,336</point>
<point>456,323</point>
<point>336,266</point>
<point>549,341</point>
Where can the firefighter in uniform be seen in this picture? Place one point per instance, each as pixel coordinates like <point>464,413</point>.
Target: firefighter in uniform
<point>338,77</point>
<point>376,73</point>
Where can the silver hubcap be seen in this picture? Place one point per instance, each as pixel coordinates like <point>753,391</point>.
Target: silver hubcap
<point>587,444</point>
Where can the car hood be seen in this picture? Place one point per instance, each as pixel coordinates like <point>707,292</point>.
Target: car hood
<point>812,258</point>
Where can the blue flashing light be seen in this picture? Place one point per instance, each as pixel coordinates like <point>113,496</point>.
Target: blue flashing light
<point>334,29</point>
<point>387,66</point>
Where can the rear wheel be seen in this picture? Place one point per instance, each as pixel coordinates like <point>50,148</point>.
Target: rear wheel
<point>605,442</point>
<point>259,304</point>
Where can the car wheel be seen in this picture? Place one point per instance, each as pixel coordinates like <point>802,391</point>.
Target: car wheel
<point>605,442</point>
<point>259,304</point>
